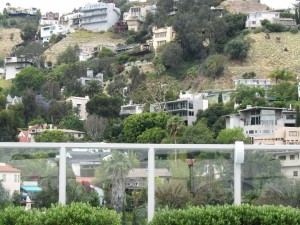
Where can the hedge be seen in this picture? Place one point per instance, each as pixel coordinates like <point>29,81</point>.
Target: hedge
<point>75,214</point>
<point>228,214</point>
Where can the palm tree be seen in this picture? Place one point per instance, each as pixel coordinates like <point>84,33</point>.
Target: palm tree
<point>117,168</point>
<point>175,126</point>
<point>93,88</point>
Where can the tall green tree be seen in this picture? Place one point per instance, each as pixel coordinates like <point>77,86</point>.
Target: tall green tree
<point>29,78</point>
<point>283,75</point>
<point>4,197</point>
<point>135,125</point>
<point>104,106</point>
<point>175,126</point>
<point>72,122</point>
<point>297,116</point>
<point>116,168</point>
<point>230,136</point>
<point>28,32</point>
<point>70,55</point>
<point>10,122</point>
<point>92,88</point>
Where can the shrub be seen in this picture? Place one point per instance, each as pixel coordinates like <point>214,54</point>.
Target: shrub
<point>213,66</point>
<point>76,213</point>
<point>228,214</point>
<point>257,30</point>
<point>294,30</point>
<point>237,49</point>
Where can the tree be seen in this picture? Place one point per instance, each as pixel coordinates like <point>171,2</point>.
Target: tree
<point>230,136</point>
<point>29,78</point>
<point>56,111</point>
<point>282,74</point>
<point>174,127</point>
<point>213,66</point>
<point>51,90</point>
<point>116,87</point>
<point>297,116</point>
<point>10,122</point>
<point>28,32</point>
<point>104,106</point>
<point>95,126</point>
<point>237,49</point>
<point>285,91</point>
<point>92,88</point>
<point>197,134</point>
<point>152,136</point>
<point>70,55</point>
<point>4,197</point>
<point>236,23</point>
<point>72,122</point>
<point>105,52</point>
<point>30,106</point>
<point>297,13</point>
<point>135,125</point>
<point>2,101</point>
<point>172,55</point>
<point>51,136</point>
<point>116,170</point>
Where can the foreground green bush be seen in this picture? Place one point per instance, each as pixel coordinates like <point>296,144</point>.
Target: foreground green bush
<point>75,214</point>
<point>228,214</point>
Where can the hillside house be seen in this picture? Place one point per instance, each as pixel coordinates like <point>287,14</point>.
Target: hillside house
<point>254,19</point>
<point>262,83</point>
<point>162,36</point>
<point>186,107</point>
<point>19,11</point>
<point>49,18</point>
<point>72,20</point>
<point>260,123</point>
<point>48,31</point>
<point>99,16</point>
<point>78,103</point>
<point>90,76</point>
<point>13,100</point>
<point>14,65</point>
<point>131,109</point>
<point>10,178</point>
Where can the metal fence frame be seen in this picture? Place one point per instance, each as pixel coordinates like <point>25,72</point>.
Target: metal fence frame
<point>238,148</point>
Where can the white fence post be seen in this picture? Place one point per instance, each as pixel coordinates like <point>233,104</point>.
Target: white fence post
<point>239,153</point>
<point>151,183</point>
<point>62,175</point>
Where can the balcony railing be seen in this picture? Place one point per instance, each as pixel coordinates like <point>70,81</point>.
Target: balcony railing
<point>151,155</point>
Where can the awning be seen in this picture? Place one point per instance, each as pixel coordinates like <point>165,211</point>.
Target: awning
<point>31,188</point>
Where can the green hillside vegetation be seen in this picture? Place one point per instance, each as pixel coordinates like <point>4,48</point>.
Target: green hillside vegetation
<point>81,37</point>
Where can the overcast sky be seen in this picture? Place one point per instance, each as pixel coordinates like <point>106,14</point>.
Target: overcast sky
<point>68,5</point>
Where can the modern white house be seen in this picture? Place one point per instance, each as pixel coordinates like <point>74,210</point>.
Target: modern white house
<point>131,109</point>
<point>263,83</point>
<point>90,76</point>
<point>14,65</point>
<point>71,20</point>
<point>48,31</point>
<point>254,19</point>
<point>162,36</point>
<point>186,107</point>
<point>99,16</point>
<point>78,103</point>
<point>10,178</point>
<point>262,123</point>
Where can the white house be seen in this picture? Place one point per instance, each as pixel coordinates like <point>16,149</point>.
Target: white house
<point>10,178</point>
<point>131,109</point>
<point>14,65</point>
<point>186,107</point>
<point>90,76</point>
<point>263,83</point>
<point>99,16</point>
<point>79,104</point>
<point>48,31</point>
<point>254,19</point>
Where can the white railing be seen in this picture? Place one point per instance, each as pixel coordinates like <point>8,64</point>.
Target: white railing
<point>238,148</point>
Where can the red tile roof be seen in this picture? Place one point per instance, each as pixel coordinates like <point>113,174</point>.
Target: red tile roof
<point>8,168</point>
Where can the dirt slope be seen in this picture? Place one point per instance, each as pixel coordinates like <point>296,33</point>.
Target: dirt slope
<point>8,39</point>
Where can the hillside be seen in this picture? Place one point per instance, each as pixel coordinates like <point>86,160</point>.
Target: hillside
<point>265,55</point>
<point>244,6</point>
<point>9,38</point>
<point>84,39</point>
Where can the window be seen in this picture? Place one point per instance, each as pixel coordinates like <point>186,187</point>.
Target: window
<point>282,157</point>
<point>251,131</point>
<point>191,105</point>
<point>292,157</point>
<point>293,133</point>
<point>4,177</point>
<point>290,117</point>
<point>295,173</point>
<point>159,43</point>
<point>160,35</point>
<point>191,113</point>
<point>17,178</point>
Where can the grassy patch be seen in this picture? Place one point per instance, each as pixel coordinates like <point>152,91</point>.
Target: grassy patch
<point>5,84</point>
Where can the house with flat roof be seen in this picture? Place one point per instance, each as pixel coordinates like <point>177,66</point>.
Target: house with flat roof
<point>14,65</point>
<point>162,36</point>
<point>78,103</point>
<point>99,16</point>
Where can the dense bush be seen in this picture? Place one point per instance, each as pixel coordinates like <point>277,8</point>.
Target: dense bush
<point>76,213</point>
<point>228,214</point>
<point>237,49</point>
<point>273,27</point>
<point>294,30</point>
<point>213,66</point>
